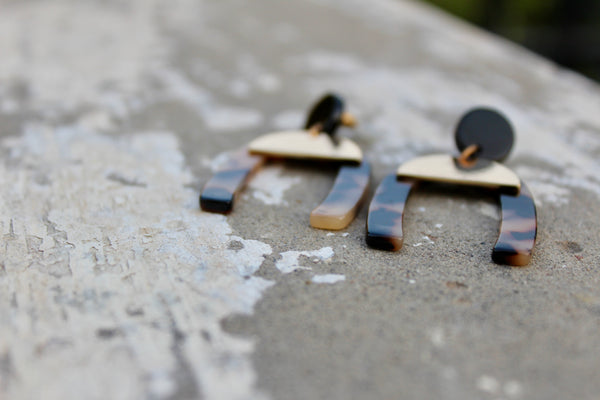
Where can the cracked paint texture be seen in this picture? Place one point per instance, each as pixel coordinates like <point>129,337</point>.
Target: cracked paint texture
<point>126,274</point>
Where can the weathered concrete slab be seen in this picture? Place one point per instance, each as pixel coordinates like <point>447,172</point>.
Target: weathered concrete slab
<point>114,285</point>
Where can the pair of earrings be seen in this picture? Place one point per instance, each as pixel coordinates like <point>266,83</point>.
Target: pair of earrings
<point>483,136</point>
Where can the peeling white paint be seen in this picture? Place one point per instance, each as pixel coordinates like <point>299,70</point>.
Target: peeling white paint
<point>232,118</point>
<point>268,83</point>
<point>251,255</point>
<point>270,184</point>
<point>216,116</point>
<point>290,260</point>
<point>328,278</point>
<point>289,119</point>
<point>513,389</point>
<point>324,61</point>
<point>550,193</point>
<point>79,259</point>
<point>9,106</point>
<point>488,384</point>
<point>437,337</point>
<point>217,162</point>
<point>427,240</point>
<point>63,68</point>
<point>240,88</point>
<point>344,234</point>
<point>549,188</point>
<point>489,210</point>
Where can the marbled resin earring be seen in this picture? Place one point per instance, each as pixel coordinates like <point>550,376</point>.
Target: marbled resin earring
<point>317,142</point>
<point>484,137</point>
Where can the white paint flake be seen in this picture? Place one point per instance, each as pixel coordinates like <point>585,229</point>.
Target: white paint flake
<point>268,83</point>
<point>290,260</point>
<point>513,389</point>
<point>437,337</point>
<point>323,61</point>
<point>218,162</point>
<point>328,278</point>
<point>427,239</point>
<point>270,184</point>
<point>216,116</point>
<point>488,384</point>
<point>232,118</point>
<point>102,239</point>
<point>290,119</point>
<point>549,188</point>
<point>489,210</point>
<point>251,255</point>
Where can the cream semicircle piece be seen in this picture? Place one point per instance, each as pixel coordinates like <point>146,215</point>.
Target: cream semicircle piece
<point>442,168</point>
<point>300,144</point>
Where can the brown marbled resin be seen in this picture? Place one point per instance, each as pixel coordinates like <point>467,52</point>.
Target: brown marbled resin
<point>384,221</point>
<point>518,229</point>
<point>344,199</point>
<point>220,191</point>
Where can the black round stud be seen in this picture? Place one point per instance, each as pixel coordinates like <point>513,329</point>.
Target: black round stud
<point>489,130</point>
<point>327,113</point>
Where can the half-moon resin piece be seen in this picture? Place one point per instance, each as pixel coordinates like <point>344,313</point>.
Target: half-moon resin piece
<point>303,145</point>
<point>220,191</point>
<point>384,221</point>
<point>518,229</point>
<point>345,198</point>
<point>443,168</point>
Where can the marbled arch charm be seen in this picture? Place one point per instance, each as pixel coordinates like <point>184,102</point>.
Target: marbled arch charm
<point>220,191</point>
<point>386,213</point>
<point>344,200</point>
<point>518,229</point>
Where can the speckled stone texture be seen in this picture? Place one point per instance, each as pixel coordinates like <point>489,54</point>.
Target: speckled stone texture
<point>113,283</point>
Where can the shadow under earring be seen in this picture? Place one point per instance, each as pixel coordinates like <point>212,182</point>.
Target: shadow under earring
<point>316,142</point>
<point>484,137</point>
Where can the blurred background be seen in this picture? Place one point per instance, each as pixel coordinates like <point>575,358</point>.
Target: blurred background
<point>566,31</point>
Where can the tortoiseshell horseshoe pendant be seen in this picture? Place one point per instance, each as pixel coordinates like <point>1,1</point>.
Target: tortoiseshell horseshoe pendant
<point>484,137</point>
<point>315,143</point>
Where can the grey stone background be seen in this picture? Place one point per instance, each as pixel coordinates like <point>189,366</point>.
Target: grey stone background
<point>114,285</point>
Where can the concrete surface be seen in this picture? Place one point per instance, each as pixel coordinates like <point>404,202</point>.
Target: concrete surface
<point>114,285</point>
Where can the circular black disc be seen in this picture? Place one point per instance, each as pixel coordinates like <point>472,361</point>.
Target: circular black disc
<point>488,129</point>
<point>327,111</point>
